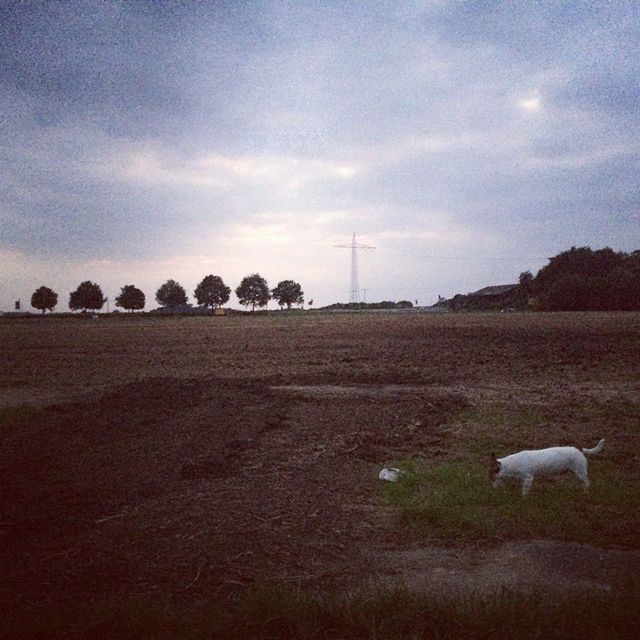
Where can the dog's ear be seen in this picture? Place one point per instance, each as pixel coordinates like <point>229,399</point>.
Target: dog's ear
<point>493,457</point>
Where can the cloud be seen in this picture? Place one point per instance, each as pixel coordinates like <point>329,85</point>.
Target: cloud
<point>155,165</point>
<point>581,160</point>
<point>443,238</point>
<point>149,140</point>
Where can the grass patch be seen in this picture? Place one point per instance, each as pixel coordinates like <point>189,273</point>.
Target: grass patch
<point>133,618</point>
<point>13,417</point>
<point>270,612</point>
<point>456,501</point>
<point>400,613</point>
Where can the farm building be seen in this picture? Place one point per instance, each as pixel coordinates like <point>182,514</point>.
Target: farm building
<point>494,297</point>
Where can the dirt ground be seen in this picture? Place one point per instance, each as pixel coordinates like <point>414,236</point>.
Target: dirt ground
<point>191,457</point>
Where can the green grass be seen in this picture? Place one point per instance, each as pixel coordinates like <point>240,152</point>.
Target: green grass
<point>274,611</point>
<point>400,613</point>
<point>134,618</point>
<point>14,417</point>
<point>452,498</point>
<point>456,500</point>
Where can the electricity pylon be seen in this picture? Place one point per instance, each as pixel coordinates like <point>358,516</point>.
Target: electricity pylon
<point>355,286</point>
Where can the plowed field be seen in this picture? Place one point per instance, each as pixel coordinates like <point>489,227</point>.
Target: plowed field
<point>194,457</point>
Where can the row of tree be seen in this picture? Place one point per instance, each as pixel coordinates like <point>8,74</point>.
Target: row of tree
<point>211,293</point>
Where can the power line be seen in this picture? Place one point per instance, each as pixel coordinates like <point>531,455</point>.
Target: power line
<point>354,246</point>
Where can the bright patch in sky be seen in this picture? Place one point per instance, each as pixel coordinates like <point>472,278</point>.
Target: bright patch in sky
<point>530,104</point>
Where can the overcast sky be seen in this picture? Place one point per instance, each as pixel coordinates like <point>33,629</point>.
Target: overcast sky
<point>466,141</point>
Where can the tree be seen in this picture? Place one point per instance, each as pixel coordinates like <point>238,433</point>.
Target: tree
<point>88,295</point>
<point>524,292</point>
<point>171,294</point>
<point>584,280</point>
<point>43,299</point>
<point>288,292</point>
<point>130,298</point>
<point>525,282</point>
<point>212,292</point>
<point>253,290</point>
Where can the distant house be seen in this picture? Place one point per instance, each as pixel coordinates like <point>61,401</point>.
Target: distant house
<point>495,294</point>
<point>495,297</point>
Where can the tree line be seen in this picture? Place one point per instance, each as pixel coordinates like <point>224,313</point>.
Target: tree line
<point>579,279</point>
<point>211,293</point>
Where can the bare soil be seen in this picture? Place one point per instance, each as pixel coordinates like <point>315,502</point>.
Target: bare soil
<point>191,457</point>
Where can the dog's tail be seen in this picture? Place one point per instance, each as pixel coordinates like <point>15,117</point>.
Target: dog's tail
<point>597,449</point>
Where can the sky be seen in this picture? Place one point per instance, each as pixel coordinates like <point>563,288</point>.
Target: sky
<point>466,141</point>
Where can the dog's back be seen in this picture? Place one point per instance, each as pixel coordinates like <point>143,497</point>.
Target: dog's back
<point>542,462</point>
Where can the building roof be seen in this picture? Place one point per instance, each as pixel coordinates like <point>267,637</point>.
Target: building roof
<point>496,290</point>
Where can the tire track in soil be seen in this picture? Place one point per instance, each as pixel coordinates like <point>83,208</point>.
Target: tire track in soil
<point>138,490</point>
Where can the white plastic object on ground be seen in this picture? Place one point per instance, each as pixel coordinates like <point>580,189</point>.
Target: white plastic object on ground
<point>390,474</point>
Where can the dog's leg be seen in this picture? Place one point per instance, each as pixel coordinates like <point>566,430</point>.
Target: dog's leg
<point>584,478</point>
<point>582,474</point>
<point>527,481</point>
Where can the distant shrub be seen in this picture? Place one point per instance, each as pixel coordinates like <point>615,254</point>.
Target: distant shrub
<point>584,280</point>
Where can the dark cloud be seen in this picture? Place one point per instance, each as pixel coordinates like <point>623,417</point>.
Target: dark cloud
<point>615,91</point>
<point>538,30</point>
<point>93,62</point>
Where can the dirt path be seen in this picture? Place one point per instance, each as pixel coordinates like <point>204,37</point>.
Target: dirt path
<point>537,565</point>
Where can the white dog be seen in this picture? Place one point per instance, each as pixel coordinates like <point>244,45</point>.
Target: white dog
<point>526,465</point>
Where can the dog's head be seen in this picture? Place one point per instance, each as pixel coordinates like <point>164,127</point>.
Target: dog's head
<point>494,467</point>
